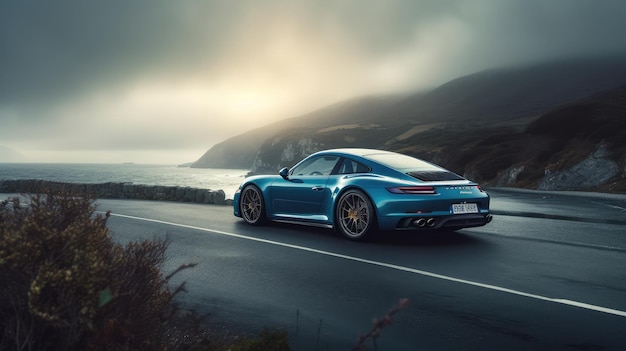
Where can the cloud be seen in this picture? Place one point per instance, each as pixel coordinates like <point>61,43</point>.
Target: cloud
<point>183,75</point>
<point>9,155</point>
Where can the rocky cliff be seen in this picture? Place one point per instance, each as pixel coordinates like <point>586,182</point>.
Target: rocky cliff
<point>552,126</point>
<point>592,172</point>
<point>578,146</point>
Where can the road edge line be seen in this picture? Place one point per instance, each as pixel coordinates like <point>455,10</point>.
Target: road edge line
<point>392,266</point>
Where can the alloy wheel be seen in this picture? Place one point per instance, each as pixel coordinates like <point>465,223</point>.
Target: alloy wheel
<point>251,205</point>
<point>355,215</point>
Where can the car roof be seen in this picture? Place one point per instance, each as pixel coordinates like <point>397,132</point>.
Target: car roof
<point>355,152</point>
<point>371,155</point>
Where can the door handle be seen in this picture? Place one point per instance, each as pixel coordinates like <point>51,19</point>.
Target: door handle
<point>317,188</point>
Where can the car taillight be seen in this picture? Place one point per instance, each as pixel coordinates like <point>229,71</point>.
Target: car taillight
<point>412,190</point>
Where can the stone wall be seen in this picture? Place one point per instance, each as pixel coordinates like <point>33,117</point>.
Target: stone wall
<point>119,191</point>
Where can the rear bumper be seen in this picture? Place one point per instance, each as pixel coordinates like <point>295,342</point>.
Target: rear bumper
<point>443,222</point>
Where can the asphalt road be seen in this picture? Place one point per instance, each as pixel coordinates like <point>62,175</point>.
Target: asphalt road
<point>549,273</point>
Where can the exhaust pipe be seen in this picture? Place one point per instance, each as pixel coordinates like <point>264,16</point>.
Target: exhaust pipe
<point>419,222</point>
<point>431,222</point>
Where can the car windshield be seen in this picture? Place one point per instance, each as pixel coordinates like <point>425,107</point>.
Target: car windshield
<point>402,162</point>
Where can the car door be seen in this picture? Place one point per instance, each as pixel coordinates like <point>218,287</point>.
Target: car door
<point>305,189</point>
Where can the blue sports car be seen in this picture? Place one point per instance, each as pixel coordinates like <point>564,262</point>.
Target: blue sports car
<point>360,191</point>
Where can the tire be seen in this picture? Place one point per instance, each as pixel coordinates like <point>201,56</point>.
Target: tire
<point>252,206</point>
<point>355,216</point>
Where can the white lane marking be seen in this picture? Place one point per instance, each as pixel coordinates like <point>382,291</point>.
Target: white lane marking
<point>607,205</point>
<point>393,266</point>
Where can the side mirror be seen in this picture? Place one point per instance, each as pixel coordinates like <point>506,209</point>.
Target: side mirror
<point>284,173</point>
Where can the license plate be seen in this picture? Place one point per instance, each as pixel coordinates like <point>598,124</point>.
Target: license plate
<point>464,208</point>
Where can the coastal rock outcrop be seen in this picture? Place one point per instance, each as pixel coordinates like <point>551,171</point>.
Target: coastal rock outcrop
<point>591,172</point>
<point>283,152</point>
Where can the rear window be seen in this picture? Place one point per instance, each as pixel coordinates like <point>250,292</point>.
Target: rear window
<point>428,176</point>
<point>400,162</point>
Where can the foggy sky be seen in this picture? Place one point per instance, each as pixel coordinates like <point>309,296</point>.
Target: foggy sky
<point>159,81</point>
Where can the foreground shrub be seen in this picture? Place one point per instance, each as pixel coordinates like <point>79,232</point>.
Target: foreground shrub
<point>66,285</point>
<point>379,324</point>
<point>268,339</point>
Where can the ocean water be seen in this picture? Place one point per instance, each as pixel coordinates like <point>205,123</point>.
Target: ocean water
<point>227,180</point>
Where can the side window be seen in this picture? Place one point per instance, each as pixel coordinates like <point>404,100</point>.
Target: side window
<point>361,168</point>
<point>318,166</point>
<point>349,166</point>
